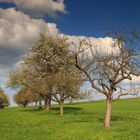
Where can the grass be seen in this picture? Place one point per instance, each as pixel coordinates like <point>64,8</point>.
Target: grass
<point>82,121</point>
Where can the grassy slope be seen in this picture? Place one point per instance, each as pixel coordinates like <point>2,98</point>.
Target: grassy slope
<point>82,121</point>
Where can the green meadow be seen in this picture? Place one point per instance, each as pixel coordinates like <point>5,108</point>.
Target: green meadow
<point>81,121</point>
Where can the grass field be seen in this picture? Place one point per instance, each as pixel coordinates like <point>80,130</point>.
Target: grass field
<point>81,121</point>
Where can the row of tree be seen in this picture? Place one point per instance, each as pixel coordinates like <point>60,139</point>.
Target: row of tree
<point>25,97</point>
<point>47,73</point>
<point>55,72</point>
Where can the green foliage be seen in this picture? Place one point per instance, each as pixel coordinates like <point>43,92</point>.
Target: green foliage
<point>82,121</point>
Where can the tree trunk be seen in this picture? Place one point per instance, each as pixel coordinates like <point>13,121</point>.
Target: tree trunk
<point>24,105</point>
<point>61,108</point>
<point>108,112</point>
<point>35,104</point>
<point>50,101</point>
<point>2,107</point>
<point>40,104</point>
<point>71,99</point>
<point>31,103</point>
<point>47,104</point>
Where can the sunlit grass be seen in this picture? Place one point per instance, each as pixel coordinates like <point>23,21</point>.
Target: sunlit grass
<point>81,121</point>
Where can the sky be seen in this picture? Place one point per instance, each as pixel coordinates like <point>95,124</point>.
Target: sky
<point>95,17</point>
<point>22,20</point>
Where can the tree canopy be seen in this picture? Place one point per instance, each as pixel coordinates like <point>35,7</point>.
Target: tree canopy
<point>49,70</point>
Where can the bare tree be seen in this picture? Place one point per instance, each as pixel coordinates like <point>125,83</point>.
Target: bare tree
<point>105,71</point>
<point>131,90</point>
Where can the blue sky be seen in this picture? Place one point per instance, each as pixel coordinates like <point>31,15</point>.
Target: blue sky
<point>95,17</point>
<point>20,24</point>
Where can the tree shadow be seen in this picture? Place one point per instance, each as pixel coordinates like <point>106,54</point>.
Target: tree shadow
<point>67,110</point>
<point>32,110</point>
<point>53,110</point>
<point>113,118</point>
<point>119,118</point>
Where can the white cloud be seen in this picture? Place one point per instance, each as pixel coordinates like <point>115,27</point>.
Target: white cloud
<point>17,33</point>
<point>100,45</point>
<point>16,27</point>
<point>38,8</point>
<point>135,79</point>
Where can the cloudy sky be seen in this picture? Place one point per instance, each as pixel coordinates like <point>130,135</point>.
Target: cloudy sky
<point>22,20</point>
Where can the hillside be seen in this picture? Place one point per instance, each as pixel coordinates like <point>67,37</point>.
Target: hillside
<point>81,121</point>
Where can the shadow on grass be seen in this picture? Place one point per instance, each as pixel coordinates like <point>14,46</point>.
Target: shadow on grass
<point>67,110</point>
<point>32,109</point>
<point>54,110</point>
<point>113,118</point>
<point>119,118</point>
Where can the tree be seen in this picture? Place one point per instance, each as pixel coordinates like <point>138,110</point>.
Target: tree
<point>131,90</point>
<point>34,97</point>
<point>47,57</point>
<point>25,96</point>
<point>106,71</point>
<point>42,65</point>
<point>26,79</point>
<point>22,98</point>
<point>3,99</point>
<point>67,85</point>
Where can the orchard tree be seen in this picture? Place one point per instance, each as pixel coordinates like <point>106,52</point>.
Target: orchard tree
<point>131,90</point>
<point>67,85</point>
<point>25,96</point>
<point>41,66</point>
<point>21,98</point>
<point>26,79</point>
<point>48,56</point>
<point>106,71</point>
<point>34,97</point>
<point>3,99</point>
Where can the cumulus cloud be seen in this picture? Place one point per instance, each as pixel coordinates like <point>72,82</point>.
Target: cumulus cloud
<point>101,46</point>
<point>17,33</point>
<point>98,45</point>
<point>135,79</point>
<point>39,8</point>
